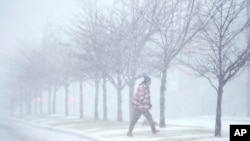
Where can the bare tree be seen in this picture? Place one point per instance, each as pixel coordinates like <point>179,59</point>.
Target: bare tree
<point>65,73</point>
<point>130,28</point>
<point>219,57</point>
<point>52,57</point>
<point>177,25</point>
<point>140,29</point>
<point>30,72</point>
<point>50,52</point>
<point>91,35</point>
<point>116,51</point>
<point>81,75</point>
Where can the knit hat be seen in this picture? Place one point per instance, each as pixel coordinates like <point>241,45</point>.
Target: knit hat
<point>146,78</point>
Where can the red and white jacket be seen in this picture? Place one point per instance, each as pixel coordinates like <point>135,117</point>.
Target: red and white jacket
<point>141,98</point>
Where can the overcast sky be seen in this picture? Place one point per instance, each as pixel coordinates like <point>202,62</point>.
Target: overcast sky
<point>26,20</point>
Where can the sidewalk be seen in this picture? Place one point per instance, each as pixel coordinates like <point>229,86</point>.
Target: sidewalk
<point>98,130</point>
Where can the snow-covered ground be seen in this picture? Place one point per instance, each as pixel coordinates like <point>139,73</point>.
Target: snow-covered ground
<point>73,129</point>
<point>23,132</point>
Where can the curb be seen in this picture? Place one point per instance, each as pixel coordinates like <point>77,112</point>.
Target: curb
<point>57,129</point>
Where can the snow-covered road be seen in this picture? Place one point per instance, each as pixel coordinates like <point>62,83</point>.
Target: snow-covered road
<point>21,132</point>
<point>8,134</point>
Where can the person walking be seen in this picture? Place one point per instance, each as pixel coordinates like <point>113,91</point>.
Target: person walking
<point>141,106</point>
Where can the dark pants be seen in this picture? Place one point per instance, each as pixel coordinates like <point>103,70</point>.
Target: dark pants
<point>136,115</point>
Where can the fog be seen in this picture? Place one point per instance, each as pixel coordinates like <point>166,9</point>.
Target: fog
<point>29,26</point>
<point>186,97</point>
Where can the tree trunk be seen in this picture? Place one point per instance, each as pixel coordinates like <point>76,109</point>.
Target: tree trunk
<point>49,100</point>
<point>131,93</point>
<point>162,98</point>
<point>66,100</point>
<point>81,100</point>
<point>35,106</point>
<point>218,111</point>
<point>105,110</point>
<point>40,104</point>
<point>21,108</point>
<point>54,101</point>
<point>96,99</point>
<point>11,107</point>
<point>119,100</point>
<point>28,107</point>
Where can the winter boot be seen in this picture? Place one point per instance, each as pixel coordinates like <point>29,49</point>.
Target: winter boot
<point>130,134</point>
<point>155,131</point>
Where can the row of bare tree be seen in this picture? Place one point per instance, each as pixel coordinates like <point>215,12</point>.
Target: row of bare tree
<point>121,43</point>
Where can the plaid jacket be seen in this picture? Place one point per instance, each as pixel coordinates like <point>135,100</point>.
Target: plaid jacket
<point>141,99</point>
